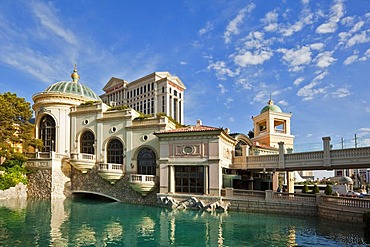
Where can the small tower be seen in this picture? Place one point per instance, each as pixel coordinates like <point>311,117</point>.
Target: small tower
<point>272,126</point>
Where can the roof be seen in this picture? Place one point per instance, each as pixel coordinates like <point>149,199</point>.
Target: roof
<point>73,88</point>
<point>196,128</point>
<point>271,107</point>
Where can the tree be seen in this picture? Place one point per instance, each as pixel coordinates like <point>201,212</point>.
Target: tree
<point>251,134</point>
<point>16,131</point>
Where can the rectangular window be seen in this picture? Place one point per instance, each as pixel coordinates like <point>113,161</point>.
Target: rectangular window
<point>189,179</point>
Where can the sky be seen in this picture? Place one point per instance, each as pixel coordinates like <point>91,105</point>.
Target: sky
<point>311,57</point>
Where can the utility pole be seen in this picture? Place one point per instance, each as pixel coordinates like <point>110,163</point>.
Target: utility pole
<point>355,140</point>
<point>342,141</point>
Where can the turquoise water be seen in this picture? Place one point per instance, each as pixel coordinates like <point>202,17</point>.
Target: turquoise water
<point>83,222</point>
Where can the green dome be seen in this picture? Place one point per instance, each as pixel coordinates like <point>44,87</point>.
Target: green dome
<point>271,107</point>
<point>73,87</point>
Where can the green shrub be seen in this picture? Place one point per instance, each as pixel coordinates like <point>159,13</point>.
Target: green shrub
<point>15,172</point>
<point>328,190</point>
<point>315,189</point>
<point>305,189</point>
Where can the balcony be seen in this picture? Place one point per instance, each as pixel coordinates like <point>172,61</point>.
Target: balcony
<point>111,172</point>
<point>83,162</point>
<point>143,183</point>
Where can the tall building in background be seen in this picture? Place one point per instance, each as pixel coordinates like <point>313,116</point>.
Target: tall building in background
<point>159,92</point>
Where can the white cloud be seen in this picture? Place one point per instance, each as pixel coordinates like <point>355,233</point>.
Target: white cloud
<point>244,84</point>
<point>296,58</point>
<point>358,39</point>
<point>320,75</point>
<point>221,70</point>
<point>48,18</point>
<point>336,13</point>
<point>183,63</point>
<point>365,56</point>
<point>249,58</point>
<point>283,102</point>
<point>347,21</point>
<point>232,28</point>
<point>298,81</point>
<point>270,21</point>
<point>222,88</point>
<point>324,59</point>
<point>310,90</point>
<point>364,129</point>
<point>341,92</point>
<point>228,102</point>
<point>317,46</point>
<point>350,59</point>
<point>206,29</point>
<point>357,26</point>
<point>306,18</point>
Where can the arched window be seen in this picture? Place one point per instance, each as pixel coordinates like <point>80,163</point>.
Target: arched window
<point>47,133</point>
<point>115,152</point>
<point>146,162</point>
<point>87,143</point>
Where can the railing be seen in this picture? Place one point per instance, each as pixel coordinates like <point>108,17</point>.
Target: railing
<point>346,202</point>
<point>269,195</point>
<point>248,193</point>
<point>352,152</point>
<point>109,167</point>
<point>263,158</point>
<point>294,197</point>
<point>45,155</point>
<point>82,156</point>
<point>304,156</point>
<point>139,178</point>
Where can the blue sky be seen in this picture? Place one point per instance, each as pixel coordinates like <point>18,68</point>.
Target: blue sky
<point>312,57</point>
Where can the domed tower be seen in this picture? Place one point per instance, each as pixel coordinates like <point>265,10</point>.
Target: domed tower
<point>272,126</point>
<point>52,108</point>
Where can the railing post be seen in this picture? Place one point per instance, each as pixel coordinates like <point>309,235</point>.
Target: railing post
<point>281,155</point>
<point>229,192</point>
<point>326,161</point>
<point>268,195</point>
<point>318,199</point>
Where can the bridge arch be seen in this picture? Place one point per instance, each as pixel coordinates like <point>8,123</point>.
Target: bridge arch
<point>95,193</point>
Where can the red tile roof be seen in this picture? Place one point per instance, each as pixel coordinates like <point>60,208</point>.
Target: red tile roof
<point>197,128</point>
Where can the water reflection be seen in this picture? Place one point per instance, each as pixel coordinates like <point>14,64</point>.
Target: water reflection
<point>92,223</point>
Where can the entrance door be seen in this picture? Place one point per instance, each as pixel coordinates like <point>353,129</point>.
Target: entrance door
<point>189,179</point>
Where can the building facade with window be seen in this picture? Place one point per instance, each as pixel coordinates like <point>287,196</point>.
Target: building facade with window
<point>82,133</point>
<point>159,92</point>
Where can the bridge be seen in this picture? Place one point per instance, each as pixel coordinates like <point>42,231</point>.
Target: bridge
<point>327,159</point>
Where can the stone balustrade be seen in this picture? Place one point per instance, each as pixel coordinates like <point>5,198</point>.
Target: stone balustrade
<point>317,160</point>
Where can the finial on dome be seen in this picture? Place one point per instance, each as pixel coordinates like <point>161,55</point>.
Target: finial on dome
<point>270,102</point>
<point>74,75</point>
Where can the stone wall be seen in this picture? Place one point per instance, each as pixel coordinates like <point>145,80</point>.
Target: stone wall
<point>39,184</point>
<point>121,190</point>
<point>341,214</point>
<point>19,191</point>
<point>279,207</point>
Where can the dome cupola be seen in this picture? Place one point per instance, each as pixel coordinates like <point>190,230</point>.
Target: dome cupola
<point>271,107</point>
<point>73,88</point>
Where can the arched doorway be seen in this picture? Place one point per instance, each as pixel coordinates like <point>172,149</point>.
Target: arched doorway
<point>47,133</point>
<point>115,152</point>
<point>87,143</point>
<point>146,162</point>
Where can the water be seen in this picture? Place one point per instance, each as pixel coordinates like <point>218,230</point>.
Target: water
<point>83,222</point>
